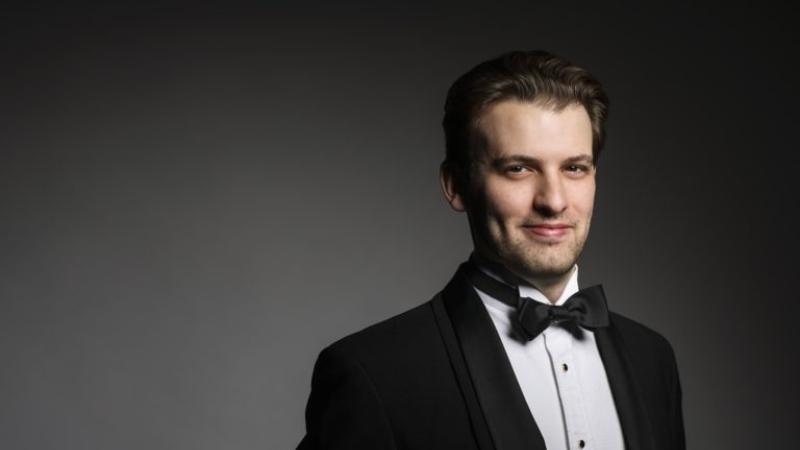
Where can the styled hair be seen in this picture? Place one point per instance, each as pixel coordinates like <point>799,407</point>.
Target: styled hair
<point>532,76</point>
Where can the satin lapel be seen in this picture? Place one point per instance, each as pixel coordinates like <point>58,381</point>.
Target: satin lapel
<point>479,427</point>
<point>625,388</point>
<point>499,397</point>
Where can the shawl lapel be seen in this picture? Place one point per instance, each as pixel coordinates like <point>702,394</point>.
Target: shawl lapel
<point>500,416</point>
<point>625,389</point>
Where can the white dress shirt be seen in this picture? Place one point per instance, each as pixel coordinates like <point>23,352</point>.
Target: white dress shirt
<point>562,378</point>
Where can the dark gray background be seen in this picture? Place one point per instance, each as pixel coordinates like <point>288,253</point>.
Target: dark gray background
<point>194,202</point>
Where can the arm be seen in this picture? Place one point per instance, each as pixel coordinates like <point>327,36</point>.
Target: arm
<point>344,410</point>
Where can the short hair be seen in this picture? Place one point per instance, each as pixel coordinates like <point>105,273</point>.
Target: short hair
<point>532,76</point>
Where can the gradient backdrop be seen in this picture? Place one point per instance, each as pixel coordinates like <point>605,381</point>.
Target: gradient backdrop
<point>194,202</point>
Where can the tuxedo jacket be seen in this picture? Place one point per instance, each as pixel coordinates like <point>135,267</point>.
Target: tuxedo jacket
<point>437,377</point>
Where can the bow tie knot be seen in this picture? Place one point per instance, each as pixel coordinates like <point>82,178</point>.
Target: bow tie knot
<point>560,313</point>
<point>586,308</point>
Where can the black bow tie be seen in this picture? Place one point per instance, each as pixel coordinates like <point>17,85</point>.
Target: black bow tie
<point>586,307</point>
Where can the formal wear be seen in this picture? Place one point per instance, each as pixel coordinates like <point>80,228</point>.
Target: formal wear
<point>439,377</point>
<point>561,375</point>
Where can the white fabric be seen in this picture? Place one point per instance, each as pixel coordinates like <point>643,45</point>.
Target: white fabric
<point>571,405</point>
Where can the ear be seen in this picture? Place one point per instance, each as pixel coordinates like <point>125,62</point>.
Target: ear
<point>450,188</point>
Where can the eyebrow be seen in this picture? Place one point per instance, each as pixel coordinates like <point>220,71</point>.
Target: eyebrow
<point>525,159</point>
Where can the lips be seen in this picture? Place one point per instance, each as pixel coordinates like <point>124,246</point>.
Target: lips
<point>549,230</point>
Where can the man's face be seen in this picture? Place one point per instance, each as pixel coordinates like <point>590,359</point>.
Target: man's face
<point>531,192</point>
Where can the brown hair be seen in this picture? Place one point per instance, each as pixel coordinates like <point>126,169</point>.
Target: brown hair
<point>528,76</point>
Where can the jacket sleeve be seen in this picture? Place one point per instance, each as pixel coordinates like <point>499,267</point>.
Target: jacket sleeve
<point>344,410</point>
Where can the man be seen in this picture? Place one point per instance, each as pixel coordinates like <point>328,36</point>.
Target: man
<point>510,355</point>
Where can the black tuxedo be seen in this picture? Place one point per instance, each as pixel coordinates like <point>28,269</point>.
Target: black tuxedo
<point>437,377</point>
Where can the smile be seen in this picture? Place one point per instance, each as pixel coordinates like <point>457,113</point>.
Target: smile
<point>550,231</point>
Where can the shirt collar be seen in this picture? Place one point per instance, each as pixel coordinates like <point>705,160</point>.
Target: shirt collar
<point>530,291</point>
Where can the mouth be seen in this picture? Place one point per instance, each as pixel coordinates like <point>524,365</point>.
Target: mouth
<point>549,231</point>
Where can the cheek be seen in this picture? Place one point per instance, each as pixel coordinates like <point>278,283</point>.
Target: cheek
<point>506,202</point>
<point>584,199</point>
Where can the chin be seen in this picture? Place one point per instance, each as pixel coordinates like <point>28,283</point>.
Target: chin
<point>536,270</point>
<point>548,262</point>
<point>536,266</point>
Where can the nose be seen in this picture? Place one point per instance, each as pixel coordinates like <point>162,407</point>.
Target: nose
<point>549,199</point>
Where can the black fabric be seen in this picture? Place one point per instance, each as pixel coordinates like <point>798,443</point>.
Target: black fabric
<point>507,415</point>
<point>438,377</point>
<point>477,418</point>
<point>626,391</point>
<point>586,307</point>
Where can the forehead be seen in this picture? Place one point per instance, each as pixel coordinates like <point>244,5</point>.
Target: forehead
<point>536,130</point>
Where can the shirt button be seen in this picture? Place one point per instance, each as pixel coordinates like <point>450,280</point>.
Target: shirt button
<point>564,367</point>
<point>581,443</point>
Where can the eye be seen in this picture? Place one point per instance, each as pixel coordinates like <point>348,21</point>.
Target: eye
<point>515,169</point>
<point>577,169</point>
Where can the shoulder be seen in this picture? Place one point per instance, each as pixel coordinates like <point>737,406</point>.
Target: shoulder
<point>405,353</point>
<point>355,387</point>
<point>643,343</point>
<point>633,330</point>
<point>392,379</point>
<point>396,343</point>
<point>652,362</point>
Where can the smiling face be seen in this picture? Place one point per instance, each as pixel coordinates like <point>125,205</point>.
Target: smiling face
<point>531,189</point>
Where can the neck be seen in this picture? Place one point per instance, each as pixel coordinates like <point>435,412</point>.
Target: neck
<point>551,286</point>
